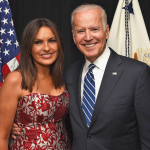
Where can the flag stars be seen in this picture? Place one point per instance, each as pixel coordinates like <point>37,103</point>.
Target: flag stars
<point>4,21</point>
<point>0,60</point>
<point>8,42</point>
<point>6,11</point>
<point>1,1</point>
<point>17,44</point>
<point>11,22</point>
<point>11,32</point>
<point>2,31</point>
<point>6,52</point>
<point>1,41</point>
<point>0,9</point>
<point>7,1</point>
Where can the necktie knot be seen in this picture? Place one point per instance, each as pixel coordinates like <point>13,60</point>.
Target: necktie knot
<point>91,67</point>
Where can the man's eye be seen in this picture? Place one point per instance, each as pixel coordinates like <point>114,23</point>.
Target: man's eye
<point>94,29</point>
<point>80,31</point>
<point>37,42</point>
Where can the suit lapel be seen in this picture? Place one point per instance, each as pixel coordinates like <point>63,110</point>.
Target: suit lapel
<point>108,83</point>
<point>77,89</point>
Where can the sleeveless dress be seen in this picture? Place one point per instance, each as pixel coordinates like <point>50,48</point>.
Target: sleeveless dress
<point>42,120</point>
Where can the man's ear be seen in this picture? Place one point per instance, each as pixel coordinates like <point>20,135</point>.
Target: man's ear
<point>107,32</point>
<point>73,35</point>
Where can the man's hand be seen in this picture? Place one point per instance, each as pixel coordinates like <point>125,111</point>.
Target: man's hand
<point>15,131</point>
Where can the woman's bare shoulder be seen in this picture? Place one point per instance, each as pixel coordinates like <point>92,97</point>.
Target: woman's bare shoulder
<point>13,78</point>
<point>11,87</point>
<point>12,83</point>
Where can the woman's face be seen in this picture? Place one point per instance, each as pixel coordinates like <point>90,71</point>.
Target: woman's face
<point>45,47</point>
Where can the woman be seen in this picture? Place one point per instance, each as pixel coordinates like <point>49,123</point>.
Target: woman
<point>34,96</point>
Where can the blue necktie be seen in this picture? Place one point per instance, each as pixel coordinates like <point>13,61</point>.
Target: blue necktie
<point>89,95</point>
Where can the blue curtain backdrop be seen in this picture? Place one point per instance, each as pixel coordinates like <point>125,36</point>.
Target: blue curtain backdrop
<point>59,12</point>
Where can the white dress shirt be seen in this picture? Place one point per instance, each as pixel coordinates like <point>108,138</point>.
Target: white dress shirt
<point>98,71</point>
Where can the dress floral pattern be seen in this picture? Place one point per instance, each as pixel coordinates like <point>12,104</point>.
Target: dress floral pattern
<point>41,118</point>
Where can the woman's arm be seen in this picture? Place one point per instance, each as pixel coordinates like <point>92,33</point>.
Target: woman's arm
<point>9,95</point>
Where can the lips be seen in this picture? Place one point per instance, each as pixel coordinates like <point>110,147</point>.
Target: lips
<point>46,55</point>
<point>89,45</point>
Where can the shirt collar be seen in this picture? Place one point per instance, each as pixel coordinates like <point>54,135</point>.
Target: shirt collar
<point>101,61</point>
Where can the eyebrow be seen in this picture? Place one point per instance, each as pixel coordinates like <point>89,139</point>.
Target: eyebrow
<point>88,28</point>
<point>49,38</point>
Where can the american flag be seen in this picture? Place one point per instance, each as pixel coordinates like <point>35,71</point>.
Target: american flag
<point>9,46</point>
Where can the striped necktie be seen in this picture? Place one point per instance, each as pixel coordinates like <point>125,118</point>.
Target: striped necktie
<point>89,95</point>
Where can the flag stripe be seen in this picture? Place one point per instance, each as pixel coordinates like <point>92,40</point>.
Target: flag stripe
<point>18,57</point>
<point>5,70</point>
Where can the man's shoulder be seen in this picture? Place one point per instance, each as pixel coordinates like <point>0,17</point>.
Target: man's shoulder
<point>76,65</point>
<point>73,70</point>
<point>130,62</point>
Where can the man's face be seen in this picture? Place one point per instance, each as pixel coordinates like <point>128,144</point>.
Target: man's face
<point>89,34</point>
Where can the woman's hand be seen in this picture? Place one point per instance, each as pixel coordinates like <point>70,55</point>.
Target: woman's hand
<point>15,131</point>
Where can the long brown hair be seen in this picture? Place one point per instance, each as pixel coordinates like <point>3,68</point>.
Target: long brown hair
<point>27,67</point>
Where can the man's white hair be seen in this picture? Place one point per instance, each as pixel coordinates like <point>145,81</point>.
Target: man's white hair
<point>86,7</point>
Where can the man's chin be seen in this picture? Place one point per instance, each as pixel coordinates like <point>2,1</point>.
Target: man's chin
<point>91,58</point>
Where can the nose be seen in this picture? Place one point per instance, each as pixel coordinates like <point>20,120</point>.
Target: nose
<point>46,46</point>
<point>88,36</point>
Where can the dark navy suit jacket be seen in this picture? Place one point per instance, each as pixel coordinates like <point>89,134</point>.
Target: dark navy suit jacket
<point>121,117</point>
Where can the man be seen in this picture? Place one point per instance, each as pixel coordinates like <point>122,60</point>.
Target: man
<point>120,118</point>
<point>110,101</point>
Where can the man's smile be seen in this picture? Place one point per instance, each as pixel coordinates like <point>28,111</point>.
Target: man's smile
<point>89,45</point>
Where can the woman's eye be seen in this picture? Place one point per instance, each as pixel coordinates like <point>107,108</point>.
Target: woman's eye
<point>52,40</point>
<point>37,42</point>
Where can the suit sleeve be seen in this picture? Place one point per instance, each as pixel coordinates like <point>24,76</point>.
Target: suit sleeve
<point>142,107</point>
<point>69,129</point>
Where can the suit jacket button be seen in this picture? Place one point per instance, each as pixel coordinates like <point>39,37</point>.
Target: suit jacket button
<point>89,137</point>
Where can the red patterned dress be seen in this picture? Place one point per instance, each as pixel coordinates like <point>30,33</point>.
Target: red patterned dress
<point>41,118</point>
